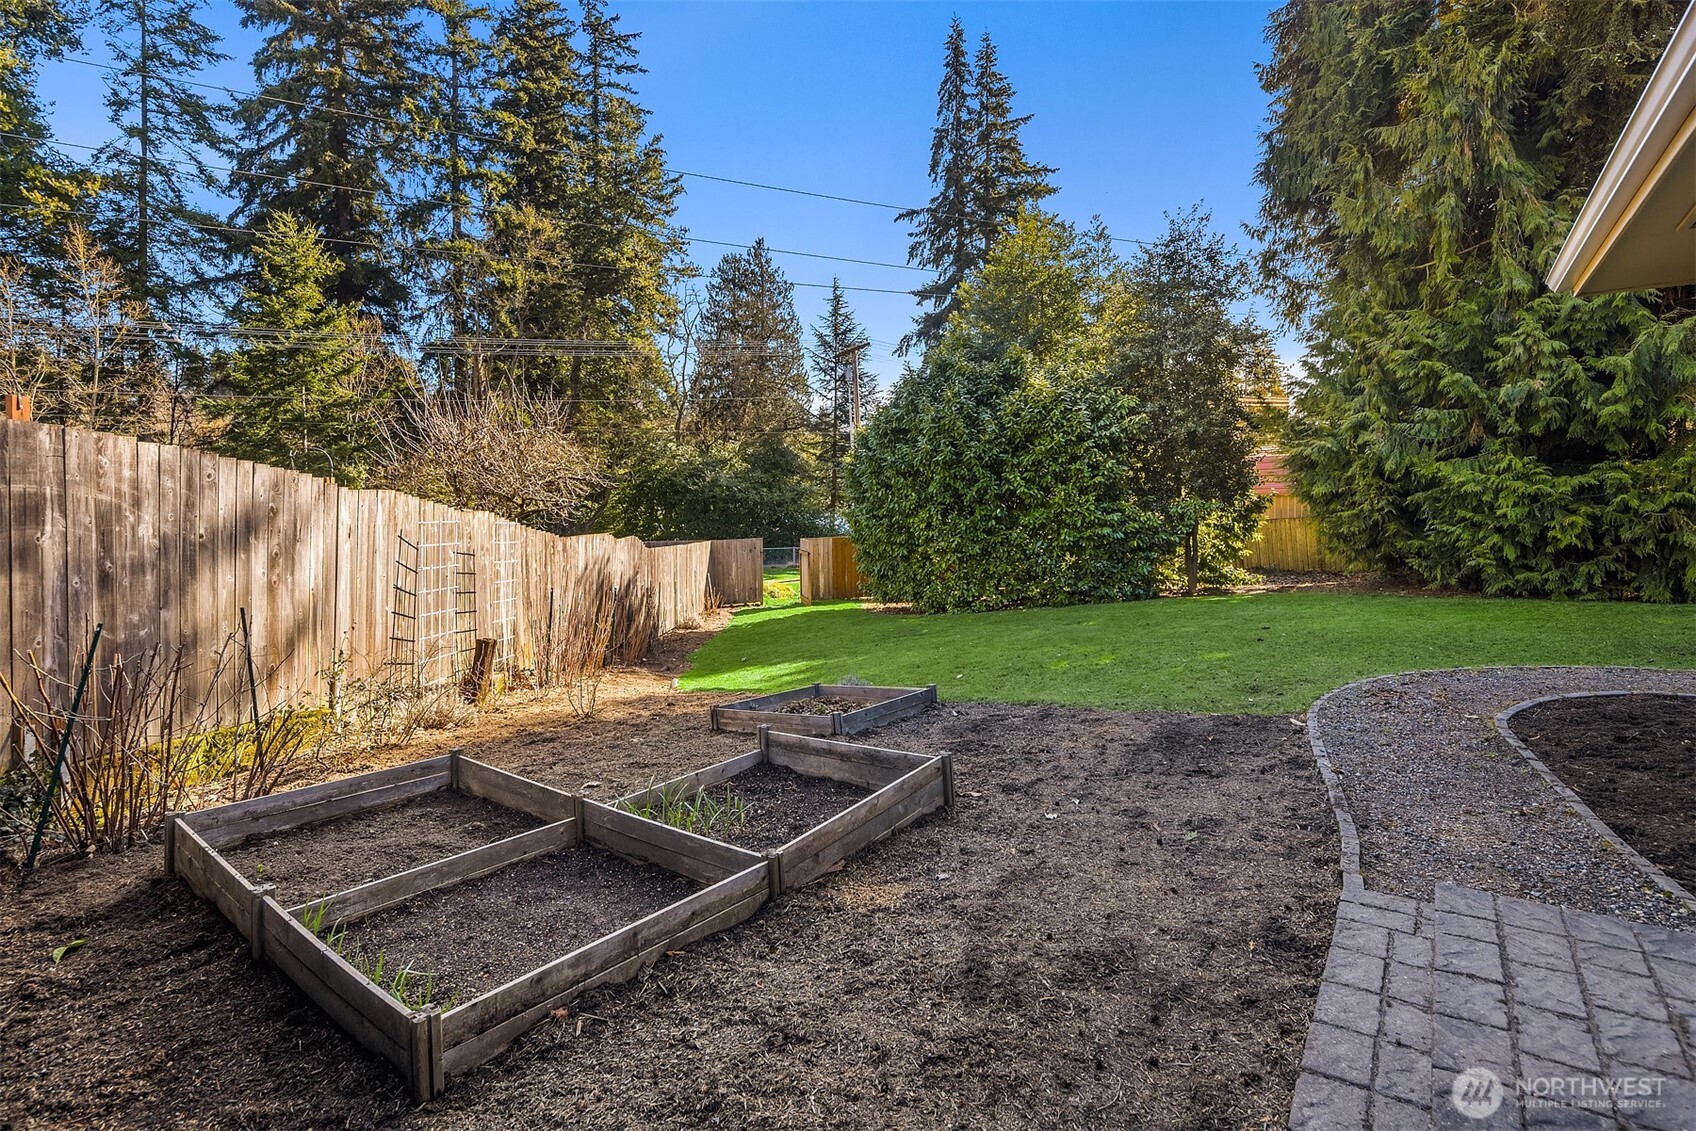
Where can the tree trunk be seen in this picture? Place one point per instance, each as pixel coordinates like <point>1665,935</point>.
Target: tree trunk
<point>1191,563</point>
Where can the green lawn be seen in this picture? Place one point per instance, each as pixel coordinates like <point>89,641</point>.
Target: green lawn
<point>1261,653</point>
<point>782,585</point>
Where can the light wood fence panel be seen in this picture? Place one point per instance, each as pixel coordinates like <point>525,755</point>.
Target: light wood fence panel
<point>165,545</point>
<point>829,571</point>
<point>1289,539</point>
<point>736,570</point>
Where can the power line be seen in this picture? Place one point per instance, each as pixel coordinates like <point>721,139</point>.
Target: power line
<point>412,199</point>
<point>426,249</point>
<point>379,119</point>
<point>303,105</point>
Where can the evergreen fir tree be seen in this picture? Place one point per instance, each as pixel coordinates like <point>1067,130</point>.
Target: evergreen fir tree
<point>619,218</point>
<point>296,401</point>
<point>574,147</point>
<point>1191,363</point>
<point>533,106</point>
<point>836,336</point>
<point>332,131</point>
<point>1003,180</point>
<point>152,175</point>
<point>1464,423</point>
<point>944,239</point>
<point>751,377</point>
<point>459,185</point>
<point>35,184</point>
<point>982,179</point>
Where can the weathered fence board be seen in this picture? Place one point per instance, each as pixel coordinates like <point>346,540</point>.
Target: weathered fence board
<point>165,545</point>
<point>736,571</point>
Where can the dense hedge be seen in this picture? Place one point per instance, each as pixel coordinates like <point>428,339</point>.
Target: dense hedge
<point>1465,423</point>
<point>760,488</point>
<point>984,485</point>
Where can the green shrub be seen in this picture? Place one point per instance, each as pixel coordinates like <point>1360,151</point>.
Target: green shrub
<point>985,484</point>
<point>762,488</point>
<point>1464,422</point>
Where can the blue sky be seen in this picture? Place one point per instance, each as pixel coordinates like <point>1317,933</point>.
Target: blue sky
<point>1143,107</point>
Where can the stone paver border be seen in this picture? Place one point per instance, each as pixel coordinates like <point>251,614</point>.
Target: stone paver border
<point>1347,833</point>
<point>1504,727</point>
<point>1413,992</point>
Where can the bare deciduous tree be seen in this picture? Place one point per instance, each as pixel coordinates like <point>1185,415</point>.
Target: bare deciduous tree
<point>108,379</point>
<point>507,451</point>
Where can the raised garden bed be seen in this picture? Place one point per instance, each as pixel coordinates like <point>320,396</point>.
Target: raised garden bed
<point>343,852</point>
<point>892,787</point>
<point>824,708</point>
<point>429,1044</point>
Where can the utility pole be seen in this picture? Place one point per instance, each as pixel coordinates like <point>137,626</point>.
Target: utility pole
<point>853,353</point>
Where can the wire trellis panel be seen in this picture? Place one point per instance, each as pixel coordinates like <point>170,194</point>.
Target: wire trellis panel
<point>504,593</point>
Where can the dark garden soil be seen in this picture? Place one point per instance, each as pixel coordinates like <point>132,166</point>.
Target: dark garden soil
<point>1632,758</point>
<point>1122,925</point>
<point>821,706</point>
<point>338,854</point>
<point>482,934</point>
<point>783,804</point>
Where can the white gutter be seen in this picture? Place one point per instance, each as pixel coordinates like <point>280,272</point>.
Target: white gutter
<point>1663,113</point>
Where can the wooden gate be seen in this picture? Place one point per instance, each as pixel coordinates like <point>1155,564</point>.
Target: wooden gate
<point>829,571</point>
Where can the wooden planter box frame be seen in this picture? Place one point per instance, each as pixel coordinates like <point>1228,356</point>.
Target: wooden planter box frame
<point>905,787</point>
<point>883,705</point>
<point>429,1045</point>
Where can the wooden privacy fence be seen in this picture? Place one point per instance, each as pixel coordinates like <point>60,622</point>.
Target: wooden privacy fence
<point>165,545</point>
<point>735,569</point>
<point>1289,539</point>
<point>829,571</point>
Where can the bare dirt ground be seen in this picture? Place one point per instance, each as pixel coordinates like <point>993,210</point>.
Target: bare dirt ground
<point>1633,760</point>
<point>1122,924</point>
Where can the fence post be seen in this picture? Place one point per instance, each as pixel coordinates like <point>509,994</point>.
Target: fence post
<point>17,406</point>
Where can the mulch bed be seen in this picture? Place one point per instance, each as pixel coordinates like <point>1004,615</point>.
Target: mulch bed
<point>782,805</point>
<point>1060,952</point>
<point>1633,760</point>
<point>322,859</point>
<point>482,934</point>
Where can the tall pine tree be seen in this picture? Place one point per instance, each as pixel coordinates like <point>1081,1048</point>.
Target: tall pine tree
<point>943,238</point>
<point>533,106</point>
<point>837,337</point>
<point>154,179</point>
<point>36,185</point>
<point>620,217</point>
<point>575,148</point>
<point>1003,179</point>
<point>458,184</point>
<point>333,131</point>
<point>751,377</point>
<point>1420,171</point>
<point>982,179</point>
<point>295,384</point>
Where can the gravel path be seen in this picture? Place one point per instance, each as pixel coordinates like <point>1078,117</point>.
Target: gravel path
<point>1440,798</point>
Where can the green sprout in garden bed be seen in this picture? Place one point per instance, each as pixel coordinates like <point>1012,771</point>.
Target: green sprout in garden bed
<point>398,978</point>
<point>693,811</point>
